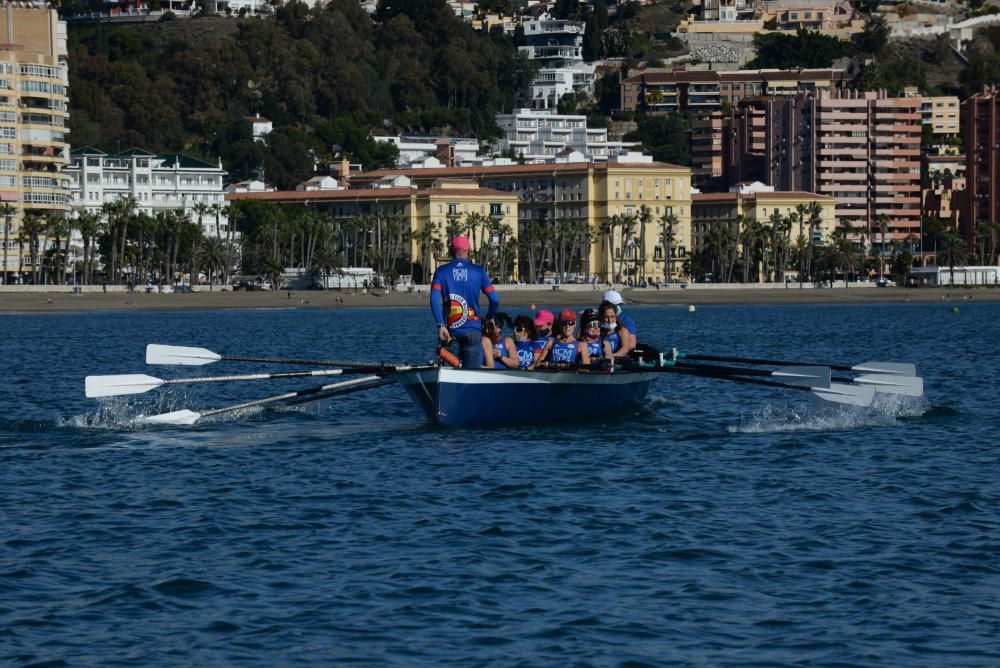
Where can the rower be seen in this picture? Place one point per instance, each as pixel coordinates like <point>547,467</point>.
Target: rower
<point>614,298</point>
<point>566,349</point>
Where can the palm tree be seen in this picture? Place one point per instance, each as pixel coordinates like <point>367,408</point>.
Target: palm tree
<point>882,222</point>
<point>669,221</point>
<point>214,254</point>
<point>89,224</point>
<point>8,212</point>
<point>326,262</point>
<point>33,227</point>
<point>644,218</point>
<point>953,251</point>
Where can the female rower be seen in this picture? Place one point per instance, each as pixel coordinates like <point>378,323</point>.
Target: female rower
<point>566,349</point>
<point>524,333</point>
<point>543,338</point>
<point>498,350</point>
<point>590,333</point>
<point>616,339</point>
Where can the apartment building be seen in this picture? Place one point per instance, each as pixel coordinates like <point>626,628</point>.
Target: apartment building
<point>981,131</point>
<point>711,150</point>
<point>709,90</point>
<point>541,135</point>
<point>34,97</point>
<point>864,150</point>
<point>414,151</point>
<point>156,182</point>
<point>556,46</point>
<point>589,193</point>
<point>711,210</point>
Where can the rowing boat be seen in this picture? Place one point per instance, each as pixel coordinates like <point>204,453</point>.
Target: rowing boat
<point>453,397</point>
<point>493,397</point>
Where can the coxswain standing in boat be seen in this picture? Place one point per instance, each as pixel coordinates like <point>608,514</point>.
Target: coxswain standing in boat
<point>455,291</point>
<point>566,349</point>
<point>614,297</point>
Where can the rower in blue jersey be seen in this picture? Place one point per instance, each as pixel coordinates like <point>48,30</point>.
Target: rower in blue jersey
<point>590,333</point>
<point>543,338</point>
<point>616,339</point>
<point>498,350</point>
<point>566,349</point>
<point>615,298</point>
<point>455,291</point>
<point>524,346</point>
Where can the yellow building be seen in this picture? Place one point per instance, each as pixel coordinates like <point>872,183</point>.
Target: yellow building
<point>711,210</point>
<point>33,110</point>
<point>426,212</point>
<point>588,195</point>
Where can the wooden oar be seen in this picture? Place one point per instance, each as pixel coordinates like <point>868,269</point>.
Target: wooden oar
<point>184,417</point>
<point>895,368</point>
<point>186,356</point>
<point>137,383</point>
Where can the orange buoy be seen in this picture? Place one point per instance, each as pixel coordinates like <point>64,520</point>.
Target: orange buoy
<point>448,358</point>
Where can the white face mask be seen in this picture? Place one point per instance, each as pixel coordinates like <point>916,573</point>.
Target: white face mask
<point>608,325</point>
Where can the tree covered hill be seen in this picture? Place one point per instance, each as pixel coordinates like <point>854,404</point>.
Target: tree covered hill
<point>324,76</point>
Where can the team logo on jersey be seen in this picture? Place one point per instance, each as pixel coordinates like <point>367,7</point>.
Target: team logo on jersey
<point>525,357</point>
<point>458,311</point>
<point>460,274</point>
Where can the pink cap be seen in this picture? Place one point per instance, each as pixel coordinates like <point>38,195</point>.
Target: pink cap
<point>544,318</point>
<point>460,243</point>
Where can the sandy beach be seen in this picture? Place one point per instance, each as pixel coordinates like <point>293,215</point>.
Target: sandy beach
<point>55,302</point>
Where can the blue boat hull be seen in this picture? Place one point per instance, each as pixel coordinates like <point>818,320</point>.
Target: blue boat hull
<point>490,397</point>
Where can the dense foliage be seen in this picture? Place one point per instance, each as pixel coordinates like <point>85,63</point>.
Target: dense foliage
<point>807,48</point>
<point>325,76</point>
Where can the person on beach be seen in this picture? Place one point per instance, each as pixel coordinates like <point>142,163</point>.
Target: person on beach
<point>614,298</point>
<point>455,292</point>
<point>498,350</point>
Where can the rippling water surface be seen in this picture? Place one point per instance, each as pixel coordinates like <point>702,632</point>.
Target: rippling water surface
<point>717,525</point>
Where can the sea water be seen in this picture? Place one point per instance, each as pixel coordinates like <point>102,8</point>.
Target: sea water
<point>717,524</point>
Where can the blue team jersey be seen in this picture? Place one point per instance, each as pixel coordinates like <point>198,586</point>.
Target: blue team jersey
<point>455,295</point>
<point>627,322</point>
<point>564,352</point>
<point>540,343</point>
<point>500,347</point>
<point>595,349</point>
<point>525,353</point>
<point>615,339</point>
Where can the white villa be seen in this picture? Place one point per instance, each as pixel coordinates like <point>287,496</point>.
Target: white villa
<point>157,182</point>
<point>557,47</point>
<point>541,135</point>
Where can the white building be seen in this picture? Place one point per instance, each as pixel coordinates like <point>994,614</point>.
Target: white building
<point>557,47</point>
<point>260,127</point>
<point>450,151</point>
<point>157,182</point>
<point>540,135</point>
<point>319,183</point>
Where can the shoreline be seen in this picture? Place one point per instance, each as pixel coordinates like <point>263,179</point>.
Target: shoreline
<point>64,302</point>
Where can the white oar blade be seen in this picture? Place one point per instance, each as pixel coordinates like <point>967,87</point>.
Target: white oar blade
<point>177,417</point>
<point>909,386</point>
<point>806,376</point>
<point>894,368</point>
<point>179,355</point>
<point>113,386</point>
<point>841,393</point>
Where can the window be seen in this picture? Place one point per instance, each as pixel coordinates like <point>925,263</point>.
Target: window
<point>496,209</point>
